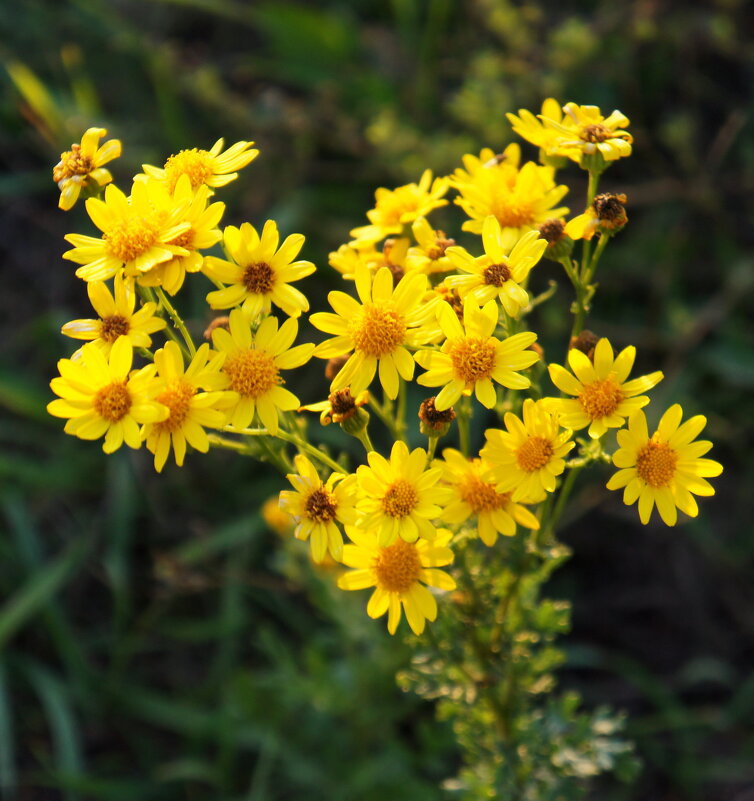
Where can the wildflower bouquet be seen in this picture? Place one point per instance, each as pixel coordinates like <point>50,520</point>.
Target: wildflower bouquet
<point>472,531</point>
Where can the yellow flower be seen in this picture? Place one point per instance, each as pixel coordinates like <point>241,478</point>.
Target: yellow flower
<point>472,358</point>
<point>80,168</point>
<point>210,167</point>
<point>430,257</point>
<point>528,127</point>
<point>253,364</point>
<point>100,395</point>
<point>665,469</point>
<point>339,406</point>
<point>519,199</point>
<point>399,497</point>
<point>189,409</point>
<point>604,398</point>
<point>136,236</point>
<point>202,233</point>
<point>377,330</point>
<point>502,165</point>
<point>316,506</point>
<point>475,495</point>
<point>391,255</point>
<point>397,207</point>
<point>605,215</point>
<point>584,131</point>
<point>527,458</point>
<point>260,272</point>
<point>501,272</point>
<point>116,317</point>
<point>398,573</point>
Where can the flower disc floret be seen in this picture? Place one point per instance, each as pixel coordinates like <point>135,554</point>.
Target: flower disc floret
<point>379,331</point>
<point>398,567</point>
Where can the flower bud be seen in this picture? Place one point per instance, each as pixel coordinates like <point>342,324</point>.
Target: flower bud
<point>434,423</point>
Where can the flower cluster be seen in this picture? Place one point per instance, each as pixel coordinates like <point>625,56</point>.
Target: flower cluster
<point>418,298</point>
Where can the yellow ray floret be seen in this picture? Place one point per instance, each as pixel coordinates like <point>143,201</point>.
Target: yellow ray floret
<point>80,168</point>
<point>528,127</point>
<point>318,506</point>
<point>472,359</point>
<point>101,396</point>
<point>395,208</point>
<point>116,317</point>
<point>377,330</point>
<point>190,408</point>
<point>260,272</point>
<point>136,234</point>
<point>253,364</point>
<point>527,458</point>
<point>603,396</point>
<point>582,130</point>
<point>398,572</point>
<point>665,469</point>
<point>400,498</point>
<point>211,167</point>
<point>501,272</point>
<point>430,255</point>
<point>476,498</point>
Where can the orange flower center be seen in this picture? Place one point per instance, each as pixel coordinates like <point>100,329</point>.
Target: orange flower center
<point>601,398</point>
<point>113,401</point>
<point>595,133</point>
<point>656,463</point>
<point>534,454</point>
<point>496,274</point>
<point>197,164</point>
<point>398,566</point>
<point>321,505</point>
<point>482,496</point>
<point>252,373</point>
<point>473,358</point>
<point>112,327</point>
<point>130,237</point>
<point>512,212</point>
<point>72,163</point>
<point>184,240</point>
<point>177,397</point>
<point>379,331</point>
<point>400,499</point>
<point>258,278</point>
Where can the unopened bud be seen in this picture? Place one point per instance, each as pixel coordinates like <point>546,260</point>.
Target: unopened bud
<point>433,422</point>
<point>611,212</point>
<point>586,342</point>
<point>335,365</point>
<point>559,244</point>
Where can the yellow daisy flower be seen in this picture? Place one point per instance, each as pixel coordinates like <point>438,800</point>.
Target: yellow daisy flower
<point>316,506</point>
<point>338,407</point>
<point>501,271</point>
<point>503,165</point>
<point>526,459</point>
<point>430,255</point>
<point>399,497</point>
<point>395,208</point>
<point>260,272</point>
<point>202,217</point>
<point>665,469</point>
<point>101,396</point>
<point>212,167</point>
<point>189,408</point>
<point>116,317</point>
<point>583,130</point>
<point>80,168</point>
<point>528,127</point>
<point>475,495</point>
<point>377,330</point>
<point>519,199</point>
<point>604,398</point>
<point>471,358</point>
<point>398,573</point>
<point>136,235</point>
<point>392,255</point>
<point>253,364</point>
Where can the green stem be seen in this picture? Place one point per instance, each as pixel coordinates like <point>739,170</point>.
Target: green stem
<point>363,437</point>
<point>563,495</point>
<point>431,448</point>
<point>177,321</point>
<point>385,416</point>
<point>400,415</point>
<point>464,420</point>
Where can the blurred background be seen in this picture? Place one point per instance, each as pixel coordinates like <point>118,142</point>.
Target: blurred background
<point>157,639</point>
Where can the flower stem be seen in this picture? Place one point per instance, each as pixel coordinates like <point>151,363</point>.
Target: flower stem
<point>177,321</point>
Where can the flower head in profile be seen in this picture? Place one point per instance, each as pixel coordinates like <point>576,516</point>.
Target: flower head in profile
<point>430,254</point>
<point>606,215</point>
<point>399,497</point>
<point>501,272</point>
<point>339,406</point>
<point>252,366</point>
<point>317,506</point>
<point>398,572</point>
<point>375,331</point>
<point>136,234</point>
<point>472,358</point>
<point>582,130</point>
<point>392,255</point>
<point>260,272</point>
<point>526,459</point>
<point>190,408</point>
<point>213,167</point>
<point>395,208</point>
<point>604,398</point>
<point>100,395</point>
<point>475,497</point>
<point>116,317</point>
<point>665,469</point>
<point>80,168</point>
